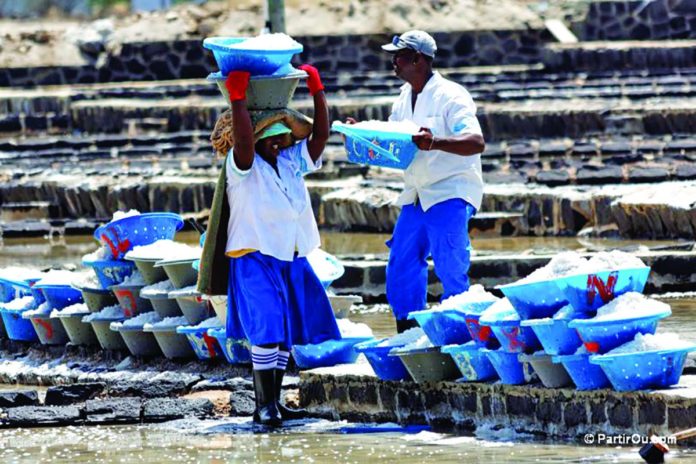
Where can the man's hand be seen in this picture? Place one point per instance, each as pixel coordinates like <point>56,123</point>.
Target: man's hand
<point>236,84</point>
<point>424,139</point>
<point>351,121</point>
<point>313,79</point>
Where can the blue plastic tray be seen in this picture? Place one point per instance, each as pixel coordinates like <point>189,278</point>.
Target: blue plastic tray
<point>256,62</point>
<point>600,337</point>
<point>111,271</point>
<point>387,149</point>
<point>328,353</point>
<point>60,296</point>
<point>588,292</point>
<point>510,370</point>
<point>472,362</point>
<point>205,346</point>
<point>585,375</point>
<point>443,327</point>
<point>235,351</point>
<point>554,335</point>
<point>386,367</point>
<point>535,300</point>
<point>643,370</point>
<point>122,235</point>
<point>17,327</point>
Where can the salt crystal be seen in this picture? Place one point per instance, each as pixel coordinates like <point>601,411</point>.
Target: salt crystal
<point>501,310</point>
<point>422,342</point>
<point>209,323</point>
<point>142,319</point>
<point>277,41</point>
<point>43,310</point>
<point>157,290</point>
<point>16,273</point>
<point>54,277</point>
<point>628,306</point>
<point>124,214</point>
<point>650,342</point>
<point>350,329</point>
<point>19,304</point>
<point>563,264</point>
<point>99,254</point>
<point>475,294</point>
<point>613,260</point>
<point>404,338</point>
<point>190,292</point>
<point>167,322</point>
<point>164,249</point>
<point>78,308</point>
<point>88,280</point>
<point>136,278</point>
<point>109,312</point>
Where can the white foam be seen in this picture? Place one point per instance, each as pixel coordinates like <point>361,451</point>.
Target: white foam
<point>650,342</point>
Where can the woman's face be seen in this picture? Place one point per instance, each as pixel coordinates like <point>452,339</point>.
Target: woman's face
<point>270,146</point>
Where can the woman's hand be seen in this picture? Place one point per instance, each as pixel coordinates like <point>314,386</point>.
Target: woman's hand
<point>313,79</point>
<point>237,83</point>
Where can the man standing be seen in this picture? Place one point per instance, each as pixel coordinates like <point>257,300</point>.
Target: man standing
<point>443,186</point>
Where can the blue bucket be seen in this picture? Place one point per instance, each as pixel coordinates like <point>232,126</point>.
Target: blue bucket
<point>205,346</point>
<point>554,335</point>
<point>325,266</point>
<point>257,62</point>
<point>588,292</point>
<point>585,375</point>
<point>235,351</point>
<point>60,296</point>
<point>472,362</point>
<point>124,234</point>
<point>643,370</point>
<point>443,327</point>
<point>377,148</point>
<point>17,327</point>
<point>600,337</point>
<point>328,353</point>
<point>111,271</point>
<point>509,368</point>
<point>535,300</point>
<point>7,291</point>
<point>482,335</point>
<point>386,367</point>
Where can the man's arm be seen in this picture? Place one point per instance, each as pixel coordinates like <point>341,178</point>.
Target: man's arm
<point>463,145</point>
<point>243,151</point>
<point>320,128</point>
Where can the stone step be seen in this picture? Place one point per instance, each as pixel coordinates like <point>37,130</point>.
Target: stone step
<point>17,211</point>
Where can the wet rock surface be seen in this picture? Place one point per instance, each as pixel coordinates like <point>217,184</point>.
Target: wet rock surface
<point>76,393</point>
<point>11,399</point>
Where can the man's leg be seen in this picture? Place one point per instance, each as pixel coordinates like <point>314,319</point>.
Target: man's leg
<point>448,232</point>
<point>407,269</point>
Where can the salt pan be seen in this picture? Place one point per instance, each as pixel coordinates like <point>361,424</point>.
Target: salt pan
<point>650,342</point>
<point>19,304</point>
<point>630,305</point>
<point>124,214</point>
<point>164,249</point>
<point>404,338</point>
<point>43,310</point>
<point>562,265</point>
<point>136,278</point>
<point>78,308</point>
<point>351,329</point>
<point>109,312</point>
<point>160,289</point>
<point>167,322</point>
<point>277,41</point>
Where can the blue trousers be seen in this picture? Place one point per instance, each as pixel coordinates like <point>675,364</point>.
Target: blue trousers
<point>441,232</point>
<point>270,302</point>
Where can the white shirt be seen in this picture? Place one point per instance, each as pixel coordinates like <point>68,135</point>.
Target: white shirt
<point>272,213</point>
<point>434,176</point>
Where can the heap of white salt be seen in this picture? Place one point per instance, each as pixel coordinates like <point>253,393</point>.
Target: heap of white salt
<point>628,306</point>
<point>614,260</point>
<point>168,322</point>
<point>475,294</point>
<point>501,310</point>
<point>404,338</point>
<point>276,41</point>
<point>138,321</point>
<point>124,214</point>
<point>19,304</point>
<point>164,249</point>
<point>78,308</point>
<point>562,265</point>
<point>108,313</point>
<point>350,329</point>
<point>160,289</point>
<point>650,342</point>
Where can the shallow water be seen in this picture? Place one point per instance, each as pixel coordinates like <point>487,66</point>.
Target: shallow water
<point>316,442</point>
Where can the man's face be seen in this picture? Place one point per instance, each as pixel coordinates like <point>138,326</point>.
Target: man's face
<point>402,62</point>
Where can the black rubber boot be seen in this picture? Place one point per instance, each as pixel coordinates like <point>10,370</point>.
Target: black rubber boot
<point>402,325</point>
<point>285,412</point>
<point>264,390</point>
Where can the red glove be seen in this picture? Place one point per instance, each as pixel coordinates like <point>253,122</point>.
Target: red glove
<point>313,79</point>
<point>236,84</point>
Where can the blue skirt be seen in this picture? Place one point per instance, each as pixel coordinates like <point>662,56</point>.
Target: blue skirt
<point>277,302</point>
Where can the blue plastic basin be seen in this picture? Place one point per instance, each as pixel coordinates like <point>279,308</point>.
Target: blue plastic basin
<point>482,335</point>
<point>510,370</point>
<point>472,362</point>
<point>326,266</point>
<point>386,367</point>
<point>588,292</point>
<point>554,335</point>
<point>111,271</point>
<point>60,296</point>
<point>535,300</point>
<point>585,375</point>
<point>256,62</point>
<point>600,337</point>
<point>443,327</point>
<point>377,148</point>
<point>235,351</point>
<point>205,346</point>
<point>7,292</point>
<point>328,353</point>
<point>643,370</point>
<point>17,327</point>
<point>122,235</point>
